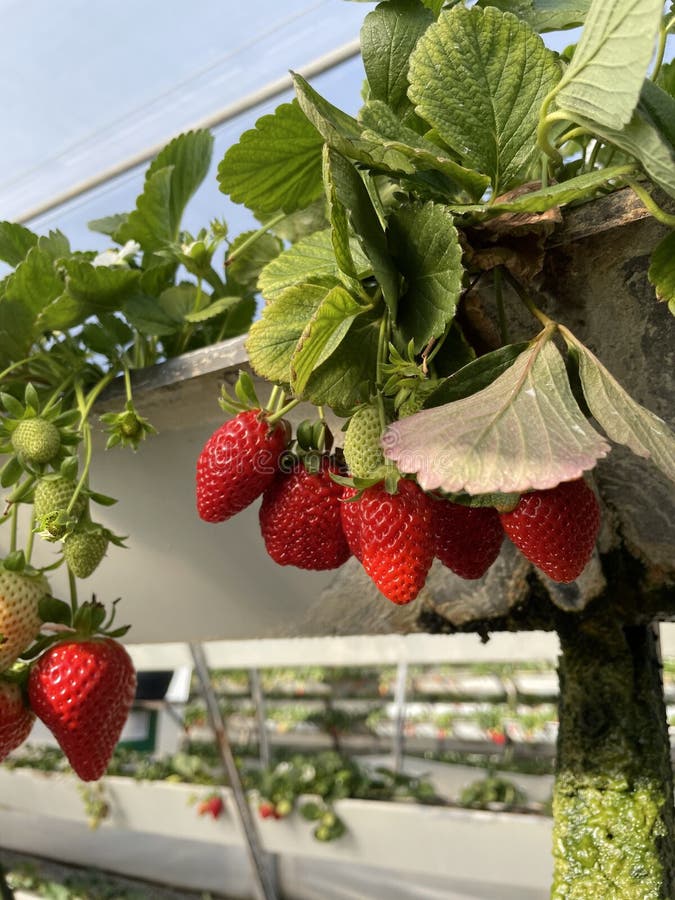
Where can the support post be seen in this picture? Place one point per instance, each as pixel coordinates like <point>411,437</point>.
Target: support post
<point>399,703</point>
<point>614,821</point>
<point>261,718</point>
<point>263,879</point>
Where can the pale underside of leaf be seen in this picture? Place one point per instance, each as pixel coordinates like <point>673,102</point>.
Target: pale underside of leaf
<point>523,431</point>
<point>604,79</point>
<point>623,419</point>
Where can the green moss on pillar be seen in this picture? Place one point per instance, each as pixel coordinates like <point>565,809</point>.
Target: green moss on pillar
<point>614,821</point>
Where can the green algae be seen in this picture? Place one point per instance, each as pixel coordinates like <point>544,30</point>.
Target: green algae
<point>614,823</point>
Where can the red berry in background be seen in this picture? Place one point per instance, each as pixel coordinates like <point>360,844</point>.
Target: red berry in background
<point>300,519</point>
<point>396,539</point>
<point>267,810</point>
<point>16,719</point>
<point>350,515</point>
<point>212,806</point>
<point>468,538</point>
<point>556,529</point>
<point>237,463</point>
<point>83,690</point>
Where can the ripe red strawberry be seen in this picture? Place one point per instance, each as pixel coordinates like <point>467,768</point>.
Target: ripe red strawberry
<point>20,622</point>
<point>212,806</point>
<point>16,719</point>
<point>351,520</point>
<point>468,539</point>
<point>82,690</point>
<point>396,539</point>
<point>237,463</point>
<point>300,519</point>
<point>267,810</point>
<point>556,529</point>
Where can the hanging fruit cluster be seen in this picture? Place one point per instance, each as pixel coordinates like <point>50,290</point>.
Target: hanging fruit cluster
<point>319,509</point>
<point>58,661</point>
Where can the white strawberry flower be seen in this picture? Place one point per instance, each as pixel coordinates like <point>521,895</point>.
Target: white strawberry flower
<point>119,257</point>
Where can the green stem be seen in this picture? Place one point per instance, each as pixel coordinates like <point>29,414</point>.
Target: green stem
<point>127,384</point>
<point>85,406</point>
<point>655,210</point>
<point>274,396</point>
<point>571,135</point>
<point>85,429</point>
<point>56,394</point>
<point>529,303</point>
<point>14,521</point>
<point>593,156</point>
<point>31,539</point>
<point>251,239</point>
<point>16,365</point>
<point>72,584</point>
<point>279,414</point>
<point>661,46</point>
<point>545,120</point>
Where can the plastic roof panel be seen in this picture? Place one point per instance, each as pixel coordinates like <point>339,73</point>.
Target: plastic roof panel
<point>86,85</point>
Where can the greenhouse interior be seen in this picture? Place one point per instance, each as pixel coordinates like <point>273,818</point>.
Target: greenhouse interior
<point>336,449</point>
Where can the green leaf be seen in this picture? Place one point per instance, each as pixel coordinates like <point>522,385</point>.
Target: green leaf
<point>10,472</point>
<point>660,107</point>
<point>388,37</point>
<point>322,335</point>
<point>103,288</point>
<point>147,316</point>
<point>179,301</point>
<point>662,269</point>
<point>109,225</point>
<point>15,242</point>
<point>341,233</point>
<point>239,319</point>
<point>553,195</point>
<point>52,610</point>
<point>247,265</point>
<point>604,79</point>
<point>276,165</point>
<point>274,337</point>
<point>34,282</point>
<point>189,155</point>
<point>643,141</point>
<point>150,222</point>
<point>476,375</point>
<point>171,180</point>
<point>382,125</point>
<point>215,309</point>
<point>351,192</point>
<point>55,245</point>
<point>479,78</point>
<point>61,314</point>
<point>544,15</point>
<point>623,420</point>
<point>426,249</point>
<point>389,156</point>
<point>312,257</point>
<point>347,378</point>
<point>523,431</point>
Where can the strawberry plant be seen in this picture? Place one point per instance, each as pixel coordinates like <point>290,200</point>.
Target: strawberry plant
<point>400,257</point>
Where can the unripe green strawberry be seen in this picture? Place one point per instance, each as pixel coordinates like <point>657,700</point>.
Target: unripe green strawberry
<point>20,621</point>
<point>53,495</point>
<point>362,450</point>
<point>412,405</point>
<point>36,440</point>
<point>83,550</point>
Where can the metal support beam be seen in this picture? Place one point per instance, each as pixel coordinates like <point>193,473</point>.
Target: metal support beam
<point>261,868</point>
<point>261,717</point>
<point>399,703</point>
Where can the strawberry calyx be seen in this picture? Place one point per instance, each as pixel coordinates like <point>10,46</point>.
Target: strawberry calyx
<point>87,621</point>
<point>503,503</point>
